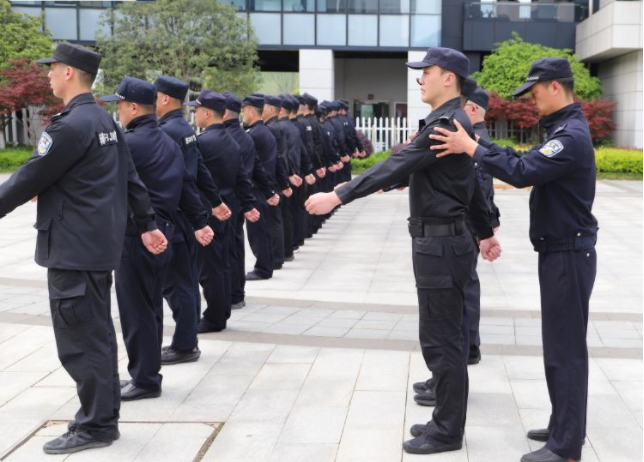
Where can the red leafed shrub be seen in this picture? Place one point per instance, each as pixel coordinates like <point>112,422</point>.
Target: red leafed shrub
<point>599,114</point>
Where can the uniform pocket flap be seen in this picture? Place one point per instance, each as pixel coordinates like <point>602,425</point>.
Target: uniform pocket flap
<point>43,225</point>
<point>463,246</point>
<point>66,284</point>
<point>434,282</point>
<point>428,246</point>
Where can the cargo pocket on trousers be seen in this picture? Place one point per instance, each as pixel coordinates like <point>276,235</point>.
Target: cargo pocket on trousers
<point>428,255</point>
<point>43,238</point>
<point>437,291</point>
<point>68,304</point>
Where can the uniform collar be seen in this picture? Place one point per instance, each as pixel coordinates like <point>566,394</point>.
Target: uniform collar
<point>143,121</point>
<point>259,122</point>
<point>447,106</point>
<point>568,112</point>
<point>173,114</point>
<point>479,125</point>
<point>83,98</point>
<point>271,119</point>
<point>231,123</point>
<point>214,127</point>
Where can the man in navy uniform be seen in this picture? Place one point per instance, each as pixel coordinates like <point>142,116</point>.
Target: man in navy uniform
<point>83,175</point>
<point>140,277</point>
<point>182,280</point>
<point>223,158</point>
<point>262,190</point>
<point>440,194</point>
<point>262,233</point>
<point>563,231</point>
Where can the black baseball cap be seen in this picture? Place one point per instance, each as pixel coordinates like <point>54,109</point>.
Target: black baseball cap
<point>76,56</point>
<point>450,60</point>
<point>273,101</point>
<point>233,103</point>
<point>545,69</point>
<point>172,87</point>
<point>254,101</point>
<point>210,100</point>
<point>133,90</point>
<point>286,102</point>
<point>480,98</point>
<point>310,100</point>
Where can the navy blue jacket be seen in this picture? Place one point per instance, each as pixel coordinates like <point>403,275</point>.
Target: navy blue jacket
<point>282,168</point>
<point>85,180</point>
<point>485,179</point>
<point>266,146</point>
<point>562,171</point>
<point>253,166</point>
<point>159,163</point>
<point>306,166</point>
<point>223,157</point>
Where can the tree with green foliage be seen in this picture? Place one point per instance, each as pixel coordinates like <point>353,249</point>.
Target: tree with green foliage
<point>195,40</point>
<point>507,67</point>
<point>22,37</point>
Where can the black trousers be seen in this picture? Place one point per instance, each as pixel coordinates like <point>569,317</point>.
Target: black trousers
<point>259,238</point>
<point>473,308</point>
<point>287,223</point>
<point>237,257</point>
<point>181,283</point>
<point>140,279</point>
<point>298,213</point>
<point>214,274</point>
<point>566,281</point>
<point>277,232</point>
<point>442,268</point>
<point>86,343</point>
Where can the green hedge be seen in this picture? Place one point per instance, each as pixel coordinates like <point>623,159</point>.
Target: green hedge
<point>12,158</point>
<point>624,163</point>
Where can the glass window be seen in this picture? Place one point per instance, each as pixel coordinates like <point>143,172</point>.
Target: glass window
<point>394,6</point>
<point>90,24</point>
<point>426,6</point>
<point>362,6</point>
<point>33,10</point>
<point>25,3</point>
<point>239,5</point>
<point>299,29</point>
<point>95,4</point>
<point>363,30</point>
<point>332,6</point>
<point>61,22</point>
<point>425,31</point>
<point>299,5</point>
<point>394,31</point>
<point>331,29</point>
<point>267,28</point>
<point>265,5</point>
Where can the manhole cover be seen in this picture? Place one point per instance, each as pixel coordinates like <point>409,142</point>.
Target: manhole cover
<point>139,441</point>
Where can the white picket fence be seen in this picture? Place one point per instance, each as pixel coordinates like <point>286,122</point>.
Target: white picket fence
<point>384,132</point>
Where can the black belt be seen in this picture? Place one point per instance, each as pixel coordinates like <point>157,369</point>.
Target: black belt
<point>578,242</point>
<point>436,227</point>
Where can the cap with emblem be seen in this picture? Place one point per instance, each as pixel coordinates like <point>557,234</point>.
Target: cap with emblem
<point>133,90</point>
<point>233,103</point>
<point>545,69</point>
<point>76,56</point>
<point>480,98</point>
<point>450,60</point>
<point>254,101</point>
<point>273,101</point>
<point>210,100</point>
<point>172,87</point>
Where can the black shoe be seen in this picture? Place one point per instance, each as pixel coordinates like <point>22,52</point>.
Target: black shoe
<point>289,258</point>
<point>131,392</point>
<point>238,305</point>
<point>172,356</point>
<point>277,266</point>
<point>423,387</point>
<point>475,356</point>
<point>417,430</point>
<point>423,444</point>
<point>73,440</point>
<point>206,326</point>
<point>542,434</point>
<point>124,382</point>
<point>428,399</point>
<point>543,455</point>
<point>253,276</point>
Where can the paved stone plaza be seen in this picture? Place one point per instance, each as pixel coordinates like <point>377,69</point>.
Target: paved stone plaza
<point>319,366</point>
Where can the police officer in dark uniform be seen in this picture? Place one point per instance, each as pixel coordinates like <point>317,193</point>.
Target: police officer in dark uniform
<point>262,233</point>
<point>140,277</point>
<point>440,195</point>
<point>223,158</point>
<point>563,231</point>
<point>262,189</point>
<point>83,175</point>
<point>182,280</point>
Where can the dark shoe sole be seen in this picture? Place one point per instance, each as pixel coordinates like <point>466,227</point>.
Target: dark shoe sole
<point>153,394</point>
<point>182,360</point>
<point>473,361</point>
<point>538,437</point>
<point>429,403</point>
<point>93,445</point>
<point>443,448</point>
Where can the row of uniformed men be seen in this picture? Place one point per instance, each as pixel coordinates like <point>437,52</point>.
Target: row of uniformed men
<point>203,188</point>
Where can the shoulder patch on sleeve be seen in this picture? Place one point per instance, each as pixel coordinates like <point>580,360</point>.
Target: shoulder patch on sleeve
<point>107,138</point>
<point>44,144</point>
<point>551,148</point>
<point>188,140</point>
